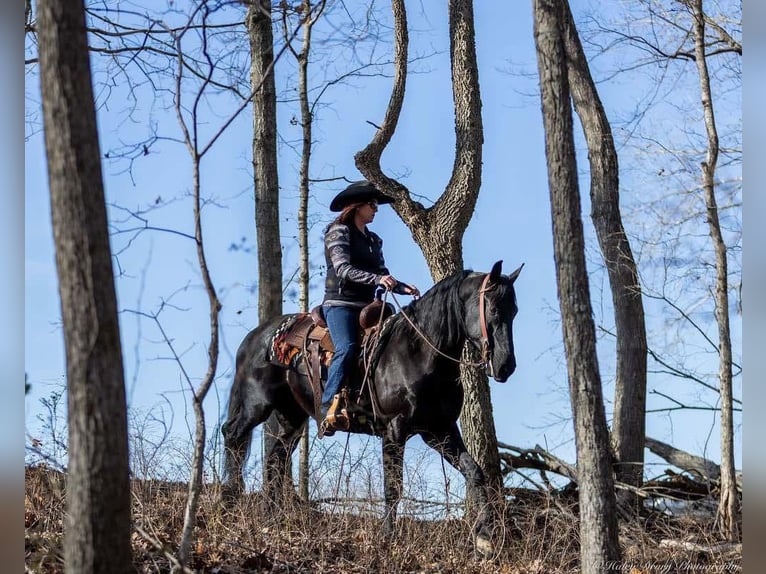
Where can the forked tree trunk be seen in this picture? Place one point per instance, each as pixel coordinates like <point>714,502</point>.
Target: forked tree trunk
<point>629,426</point>
<point>476,418</point>
<point>598,520</point>
<point>97,523</point>
<point>266,182</point>
<point>728,509</point>
<point>439,230</point>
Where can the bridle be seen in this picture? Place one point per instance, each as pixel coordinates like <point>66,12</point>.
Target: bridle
<point>486,347</point>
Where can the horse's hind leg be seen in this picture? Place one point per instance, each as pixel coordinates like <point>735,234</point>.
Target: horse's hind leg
<point>249,406</point>
<point>280,447</point>
<point>451,446</point>
<point>393,470</point>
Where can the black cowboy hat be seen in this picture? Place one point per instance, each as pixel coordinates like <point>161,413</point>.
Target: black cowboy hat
<point>358,192</point>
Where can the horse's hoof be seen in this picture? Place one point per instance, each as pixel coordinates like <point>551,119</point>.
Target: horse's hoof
<point>483,546</point>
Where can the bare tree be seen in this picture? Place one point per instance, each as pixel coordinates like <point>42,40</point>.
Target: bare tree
<point>598,519</point>
<point>190,120</point>
<point>664,41</point>
<point>303,184</point>
<point>98,491</point>
<point>266,184</point>
<point>629,423</point>
<point>309,14</point>
<point>729,502</point>
<point>438,230</point>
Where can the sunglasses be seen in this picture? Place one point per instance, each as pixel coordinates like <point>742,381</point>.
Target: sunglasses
<point>373,204</point>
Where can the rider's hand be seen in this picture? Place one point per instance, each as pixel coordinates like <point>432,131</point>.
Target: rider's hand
<point>388,282</point>
<point>412,290</point>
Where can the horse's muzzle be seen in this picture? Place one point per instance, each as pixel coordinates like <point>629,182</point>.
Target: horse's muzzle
<point>503,373</point>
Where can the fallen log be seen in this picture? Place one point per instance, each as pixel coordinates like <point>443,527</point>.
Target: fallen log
<point>536,459</point>
<point>700,481</point>
<point>702,469</point>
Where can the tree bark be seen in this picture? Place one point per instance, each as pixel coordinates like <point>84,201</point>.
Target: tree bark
<point>476,418</point>
<point>598,520</point>
<point>97,527</point>
<point>728,508</point>
<point>629,423</point>
<point>478,424</point>
<point>439,230</point>
<point>303,233</point>
<point>307,121</point>
<point>266,182</point>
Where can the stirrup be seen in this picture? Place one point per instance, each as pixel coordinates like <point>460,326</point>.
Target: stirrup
<point>326,429</point>
<point>336,418</point>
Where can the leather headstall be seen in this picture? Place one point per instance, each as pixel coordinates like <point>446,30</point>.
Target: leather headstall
<point>485,346</point>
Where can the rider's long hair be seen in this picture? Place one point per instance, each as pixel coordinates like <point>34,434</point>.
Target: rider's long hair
<point>346,216</point>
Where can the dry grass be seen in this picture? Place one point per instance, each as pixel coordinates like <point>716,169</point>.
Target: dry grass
<point>538,534</point>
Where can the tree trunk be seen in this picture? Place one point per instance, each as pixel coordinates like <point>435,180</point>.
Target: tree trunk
<point>598,520</point>
<point>265,160</point>
<point>629,424</point>
<point>97,528</point>
<point>200,431</point>
<point>439,230</point>
<point>477,422</point>
<point>265,175</point>
<point>303,232</point>
<point>728,509</point>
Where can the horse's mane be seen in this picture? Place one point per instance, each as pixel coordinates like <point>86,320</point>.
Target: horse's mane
<point>439,311</point>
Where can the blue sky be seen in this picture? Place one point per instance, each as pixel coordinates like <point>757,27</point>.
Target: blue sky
<point>511,222</point>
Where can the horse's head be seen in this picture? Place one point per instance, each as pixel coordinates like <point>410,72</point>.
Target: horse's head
<point>489,313</point>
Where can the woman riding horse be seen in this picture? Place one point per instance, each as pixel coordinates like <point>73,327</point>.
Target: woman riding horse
<point>355,265</point>
<point>415,381</point>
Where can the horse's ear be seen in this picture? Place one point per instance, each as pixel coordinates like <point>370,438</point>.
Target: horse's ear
<point>513,276</point>
<point>497,269</point>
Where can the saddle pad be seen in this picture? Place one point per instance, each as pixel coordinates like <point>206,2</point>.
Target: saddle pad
<point>297,334</point>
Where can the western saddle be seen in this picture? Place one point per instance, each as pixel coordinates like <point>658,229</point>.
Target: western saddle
<point>303,343</point>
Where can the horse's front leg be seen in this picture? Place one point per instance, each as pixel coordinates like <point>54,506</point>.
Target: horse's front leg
<point>393,471</point>
<point>451,446</point>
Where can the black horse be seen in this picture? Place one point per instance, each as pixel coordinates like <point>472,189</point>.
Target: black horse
<point>416,380</point>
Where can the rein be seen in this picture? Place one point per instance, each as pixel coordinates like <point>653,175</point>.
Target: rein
<point>484,333</point>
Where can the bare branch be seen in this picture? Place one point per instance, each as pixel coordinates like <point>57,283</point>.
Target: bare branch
<point>681,406</point>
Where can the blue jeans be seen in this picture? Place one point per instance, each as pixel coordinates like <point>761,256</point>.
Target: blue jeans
<point>343,323</point>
